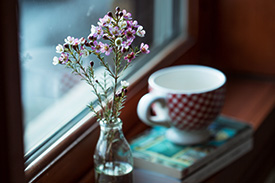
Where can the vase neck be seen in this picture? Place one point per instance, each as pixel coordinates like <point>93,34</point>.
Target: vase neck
<point>107,125</point>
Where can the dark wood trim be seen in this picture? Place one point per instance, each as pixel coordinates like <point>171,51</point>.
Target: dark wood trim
<point>11,131</point>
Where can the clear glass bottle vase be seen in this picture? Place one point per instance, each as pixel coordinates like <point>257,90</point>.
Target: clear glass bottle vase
<point>113,158</point>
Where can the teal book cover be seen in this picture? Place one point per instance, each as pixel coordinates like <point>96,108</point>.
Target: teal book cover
<point>152,151</point>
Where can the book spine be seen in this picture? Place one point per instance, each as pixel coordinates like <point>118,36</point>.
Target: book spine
<point>235,141</point>
<point>221,162</point>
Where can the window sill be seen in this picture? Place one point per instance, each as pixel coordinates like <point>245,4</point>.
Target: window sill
<point>253,101</point>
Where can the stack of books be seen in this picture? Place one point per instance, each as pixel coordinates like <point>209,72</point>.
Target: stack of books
<point>158,160</point>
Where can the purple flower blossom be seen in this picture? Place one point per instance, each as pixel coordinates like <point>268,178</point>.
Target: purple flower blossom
<point>130,57</point>
<point>132,24</point>
<point>130,33</point>
<point>99,32</point>
<point>144,48</point>
<point>126,44</point>
<point>96,47</point>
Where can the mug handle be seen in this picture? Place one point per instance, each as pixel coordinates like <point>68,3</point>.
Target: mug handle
<point>144,110</point>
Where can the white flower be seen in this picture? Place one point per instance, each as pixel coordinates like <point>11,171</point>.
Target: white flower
<point>69,40</point>
<point>124,84</point>
<point>93,30</point>
<point>122,24</point>
<point>59,48</point>
<point>82,40</point>
<point>140,32</point>
<point>118,41</point>
<point>55,60</point>
<point>85,53</point>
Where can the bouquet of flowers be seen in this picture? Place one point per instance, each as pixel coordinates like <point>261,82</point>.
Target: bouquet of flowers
<point>117,32</point>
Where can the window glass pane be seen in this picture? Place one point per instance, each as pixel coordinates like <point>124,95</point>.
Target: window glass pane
<point>52,96</point>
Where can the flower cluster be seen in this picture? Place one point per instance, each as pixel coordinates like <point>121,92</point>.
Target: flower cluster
<point>114,34</point>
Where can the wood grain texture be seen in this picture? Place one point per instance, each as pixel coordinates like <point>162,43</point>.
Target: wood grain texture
<point>250,100</point>
<point>239,35</point>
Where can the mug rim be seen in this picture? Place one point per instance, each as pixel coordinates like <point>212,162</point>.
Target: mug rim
<point>152,78</point>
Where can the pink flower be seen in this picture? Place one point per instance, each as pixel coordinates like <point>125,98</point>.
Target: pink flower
<point>105,48</point>
<point>105,21</point>
<point>126,15</point>
<point>96,47</point>
<point>96,32</point>
<point>99,32</point>
<point>76,42</point>
<point>126,44</point>
<point>132,24</point>
<point>115,31</point>
<point>130,57</point>
<point>144,48</point>
<point>64,58</point>
<point>130,33</point>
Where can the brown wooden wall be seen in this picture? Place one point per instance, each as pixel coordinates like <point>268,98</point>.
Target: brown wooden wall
<point>238,35</point>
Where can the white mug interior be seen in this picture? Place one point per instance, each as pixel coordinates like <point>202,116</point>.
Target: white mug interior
<point>187,79</point>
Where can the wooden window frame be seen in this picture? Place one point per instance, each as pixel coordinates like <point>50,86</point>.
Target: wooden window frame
<point>70,157</point>
<point>11,130</point>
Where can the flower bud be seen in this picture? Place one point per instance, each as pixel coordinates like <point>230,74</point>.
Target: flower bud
<point>90,37</point>
<point>91,43</point>
<point>117,9</point>
<point>120,13</point>
<point>123,50</point>
<point>110,14</point>
<point>87,44</point>
<point>75,47</point>
<point>105,37</point>
<point>92,63</point>
<point>118,94</point>
<point>124,90</point>
<point>66,45</point>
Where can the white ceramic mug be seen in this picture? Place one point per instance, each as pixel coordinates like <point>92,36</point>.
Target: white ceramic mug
<point>185,98</point>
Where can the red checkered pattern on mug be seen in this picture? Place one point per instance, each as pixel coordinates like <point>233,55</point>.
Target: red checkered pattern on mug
<point>195,111</point>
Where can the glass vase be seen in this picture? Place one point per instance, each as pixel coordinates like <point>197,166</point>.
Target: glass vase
<point>113,158</point>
